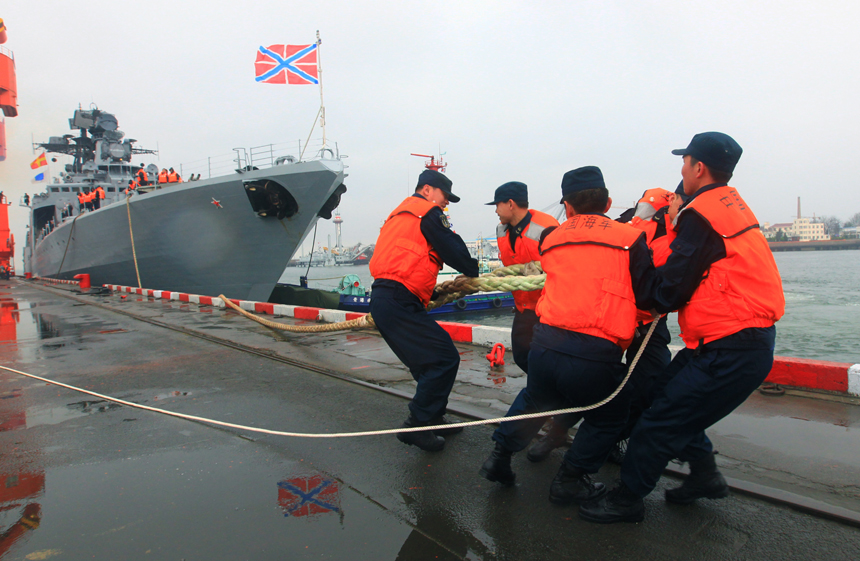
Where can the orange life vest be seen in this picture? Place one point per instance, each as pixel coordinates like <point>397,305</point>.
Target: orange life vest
<point>173,177</point>
<point>588,288</point>
<point>131,187</point>
<point>659,250</point>
<point>81,199</point>
<point>525,251</point>
<point>162,177</point>
<point>743,289</point>
<point>88,197</point>
<point>141,176</point>
<point>403,254</point>
<point>100,191</point>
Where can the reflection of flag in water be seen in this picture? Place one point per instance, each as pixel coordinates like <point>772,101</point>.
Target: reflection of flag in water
<point>282,64</point>
<point>308,496</point>
<point>39,162</point>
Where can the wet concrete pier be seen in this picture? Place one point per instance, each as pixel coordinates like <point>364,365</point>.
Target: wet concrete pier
<point>87,479</point>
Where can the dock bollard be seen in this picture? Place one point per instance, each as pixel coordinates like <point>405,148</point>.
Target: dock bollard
<point>85,281</point>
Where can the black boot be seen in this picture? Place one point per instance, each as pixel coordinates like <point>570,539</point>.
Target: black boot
<point>555,437</point>
<point>444,432</point>
<point>498,467</point>
<point>425,440</point>
<point>572,485</point>
<point>704,482</point>
<point>619,505</point>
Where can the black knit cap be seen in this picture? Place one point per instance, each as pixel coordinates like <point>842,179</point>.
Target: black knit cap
<point>714,149</point>
<point>435,179</point>
<point>581,179</point>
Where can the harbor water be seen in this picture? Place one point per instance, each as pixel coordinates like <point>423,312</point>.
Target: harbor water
<point>822,297</point>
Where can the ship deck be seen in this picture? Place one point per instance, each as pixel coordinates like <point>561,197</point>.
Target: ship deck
<point>150,484</point>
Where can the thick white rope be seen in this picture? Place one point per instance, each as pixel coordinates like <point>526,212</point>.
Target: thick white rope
<point>362,433</point>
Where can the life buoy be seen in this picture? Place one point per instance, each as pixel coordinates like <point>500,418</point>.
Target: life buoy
<point>497,302</point>
<point>461,304</point>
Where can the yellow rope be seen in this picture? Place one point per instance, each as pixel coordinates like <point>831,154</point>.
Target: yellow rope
<point>131,234</point>
<point>358,323</point>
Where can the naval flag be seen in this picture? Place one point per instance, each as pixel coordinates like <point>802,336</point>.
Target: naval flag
<point>287,64</point>
<point>40,178</point>
<point>39,162</point>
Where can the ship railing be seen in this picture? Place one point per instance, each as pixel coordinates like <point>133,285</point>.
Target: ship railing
<point>7,51</point>
<point>258,157</point>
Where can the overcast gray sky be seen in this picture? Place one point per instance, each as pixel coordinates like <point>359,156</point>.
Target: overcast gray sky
<point>509,90</point>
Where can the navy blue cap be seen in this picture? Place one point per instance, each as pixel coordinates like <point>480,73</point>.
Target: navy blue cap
<point>714,149</point>
<point>433,178</point>
<point>512,190</point>
<point>581,179</point>
<point>680,191</point>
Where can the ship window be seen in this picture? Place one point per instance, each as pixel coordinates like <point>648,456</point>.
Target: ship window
<point>64,189</point>
<point>111,189</point>
<point>76,189</point>
<point>55,189</point>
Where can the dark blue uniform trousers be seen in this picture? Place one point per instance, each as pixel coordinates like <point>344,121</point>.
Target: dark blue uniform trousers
<point>522,333</point>
<point>693,393</point>
<point>556,381</point>
<point>653,362</point>
<point>421,344</point>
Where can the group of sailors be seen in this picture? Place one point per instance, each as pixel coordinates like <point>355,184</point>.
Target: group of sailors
<point>696,250</point>
<point>141,179</point>
<point>90,199</point>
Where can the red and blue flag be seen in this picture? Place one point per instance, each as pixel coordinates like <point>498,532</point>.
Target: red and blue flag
<point>287,64</point>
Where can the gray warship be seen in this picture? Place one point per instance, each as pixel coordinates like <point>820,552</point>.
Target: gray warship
<point>232,234</point>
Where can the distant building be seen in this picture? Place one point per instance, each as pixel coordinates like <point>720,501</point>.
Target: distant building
<point>801,230</point>
<point>851,232</point>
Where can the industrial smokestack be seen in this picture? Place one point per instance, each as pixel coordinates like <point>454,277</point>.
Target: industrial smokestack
<point>798,208</point>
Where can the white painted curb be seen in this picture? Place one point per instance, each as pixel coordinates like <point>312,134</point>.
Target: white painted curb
<point>854,380</point>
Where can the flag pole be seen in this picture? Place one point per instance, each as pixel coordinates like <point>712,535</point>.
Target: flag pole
<point>319,73</point>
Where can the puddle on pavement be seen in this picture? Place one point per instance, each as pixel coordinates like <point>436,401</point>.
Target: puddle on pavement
<point>199,505</point>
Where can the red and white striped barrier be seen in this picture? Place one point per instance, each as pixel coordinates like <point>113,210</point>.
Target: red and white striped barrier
<point>839,377</point>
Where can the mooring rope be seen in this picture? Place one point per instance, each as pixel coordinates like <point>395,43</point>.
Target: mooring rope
<point>358,323</point>
<point>131,234</point>
<point>68,241</point>
<point>523,417</point>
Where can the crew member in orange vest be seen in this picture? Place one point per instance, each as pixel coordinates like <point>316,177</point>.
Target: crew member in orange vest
<point>132,186</point>
<point>81,202</point>
<point>142,178</point>
<point>723,280</point>
<point>163,176</point>
<point>649,215</point>
<point>173,177</point>
<point>99,194</point>
<point>412,245</point>
<point>598,271</point>
<point>518,234</point>
<point>88,198</point>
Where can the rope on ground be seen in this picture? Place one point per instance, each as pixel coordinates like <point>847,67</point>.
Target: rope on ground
<point>526,416</point>
<point>358,323</point>
<point>131,234</point>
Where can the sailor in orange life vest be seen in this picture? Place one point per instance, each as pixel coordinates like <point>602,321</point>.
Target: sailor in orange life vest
<point>722,279</point>
<point>597,272</point>
<point>163,176</point>
<point>414,242</point>
<point>518,234</point>
<point>649,215</point>
<point>142,178</point>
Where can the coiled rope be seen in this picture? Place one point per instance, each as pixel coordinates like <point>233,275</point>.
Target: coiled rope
<point>523,417</point>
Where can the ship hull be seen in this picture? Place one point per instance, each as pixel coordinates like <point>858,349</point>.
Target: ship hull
<point>200,237</point>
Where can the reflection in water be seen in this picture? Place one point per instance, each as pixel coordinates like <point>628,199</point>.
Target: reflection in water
<point>19,486</point>
<point>309,496</point>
